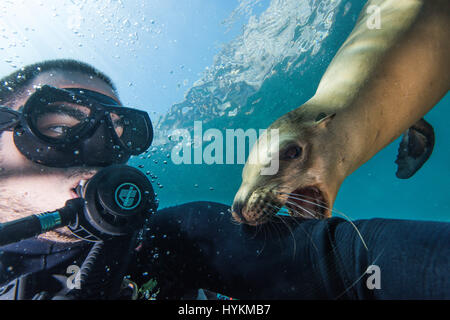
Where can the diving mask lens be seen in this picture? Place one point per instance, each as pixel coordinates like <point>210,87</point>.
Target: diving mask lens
<point>131,128</point>
<point>59,120</point>
<point>69,127</point>
<point>65,118</point>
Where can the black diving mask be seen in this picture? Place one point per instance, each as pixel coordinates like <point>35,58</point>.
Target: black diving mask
<point>77,127</point>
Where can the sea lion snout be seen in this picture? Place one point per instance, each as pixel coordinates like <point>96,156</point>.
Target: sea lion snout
<point>236,210</point>
<point>304,184</point>
<point>239,202</point>
<point>253,207</point>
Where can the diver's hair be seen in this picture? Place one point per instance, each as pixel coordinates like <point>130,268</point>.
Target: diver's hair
<point>13,85</point>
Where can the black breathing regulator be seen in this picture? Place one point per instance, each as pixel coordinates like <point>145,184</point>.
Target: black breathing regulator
<point>114,203</point>
<point>118,199</point>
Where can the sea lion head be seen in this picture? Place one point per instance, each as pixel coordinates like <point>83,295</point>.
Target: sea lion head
<point>309,170</point>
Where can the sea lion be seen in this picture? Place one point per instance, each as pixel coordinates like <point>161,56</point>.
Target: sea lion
<point>379,85</point>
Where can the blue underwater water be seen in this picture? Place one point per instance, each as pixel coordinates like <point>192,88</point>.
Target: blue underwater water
<point>265,88</point>
<point>230,64</point>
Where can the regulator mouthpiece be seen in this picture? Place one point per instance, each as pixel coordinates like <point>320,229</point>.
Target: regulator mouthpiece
<point>118,200</point>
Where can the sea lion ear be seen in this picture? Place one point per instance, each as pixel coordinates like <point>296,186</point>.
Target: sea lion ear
<point>323,119</point>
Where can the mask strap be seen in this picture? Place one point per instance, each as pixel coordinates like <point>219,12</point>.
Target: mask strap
<point>8,118</point>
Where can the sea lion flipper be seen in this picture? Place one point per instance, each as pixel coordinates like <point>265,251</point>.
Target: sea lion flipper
<point>415,149</point>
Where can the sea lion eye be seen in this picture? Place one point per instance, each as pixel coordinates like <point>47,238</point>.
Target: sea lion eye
<point>292,152</point>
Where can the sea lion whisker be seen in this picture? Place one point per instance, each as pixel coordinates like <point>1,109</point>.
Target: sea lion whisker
<point>360,277</point>
<point>294,211</point>
<point>339,213</point>
<point>304,209</point>
<point>355,227</point>
<point>256,230</point>
<point>275,220</point>
<point>234,221</point>
<point>273,206</point>
<point>300,213</point>
<point>300,195</point>
<point>292,235</point>
<point>279,208</point>
<point>304,199</point>
<point>295,220</point>
<point>273,223</point>
<point>265,239</point>
<point>335,211</point>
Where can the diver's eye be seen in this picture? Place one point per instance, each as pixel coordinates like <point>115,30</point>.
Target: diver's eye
<point>56,131</point>
<point>292,152</point>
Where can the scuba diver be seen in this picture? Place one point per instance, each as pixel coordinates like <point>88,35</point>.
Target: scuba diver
<point>64,129</point>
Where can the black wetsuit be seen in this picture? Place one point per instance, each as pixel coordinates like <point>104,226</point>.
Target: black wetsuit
<point>196,245</point>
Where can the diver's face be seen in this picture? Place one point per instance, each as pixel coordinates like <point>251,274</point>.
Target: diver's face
<point>27,187</point>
